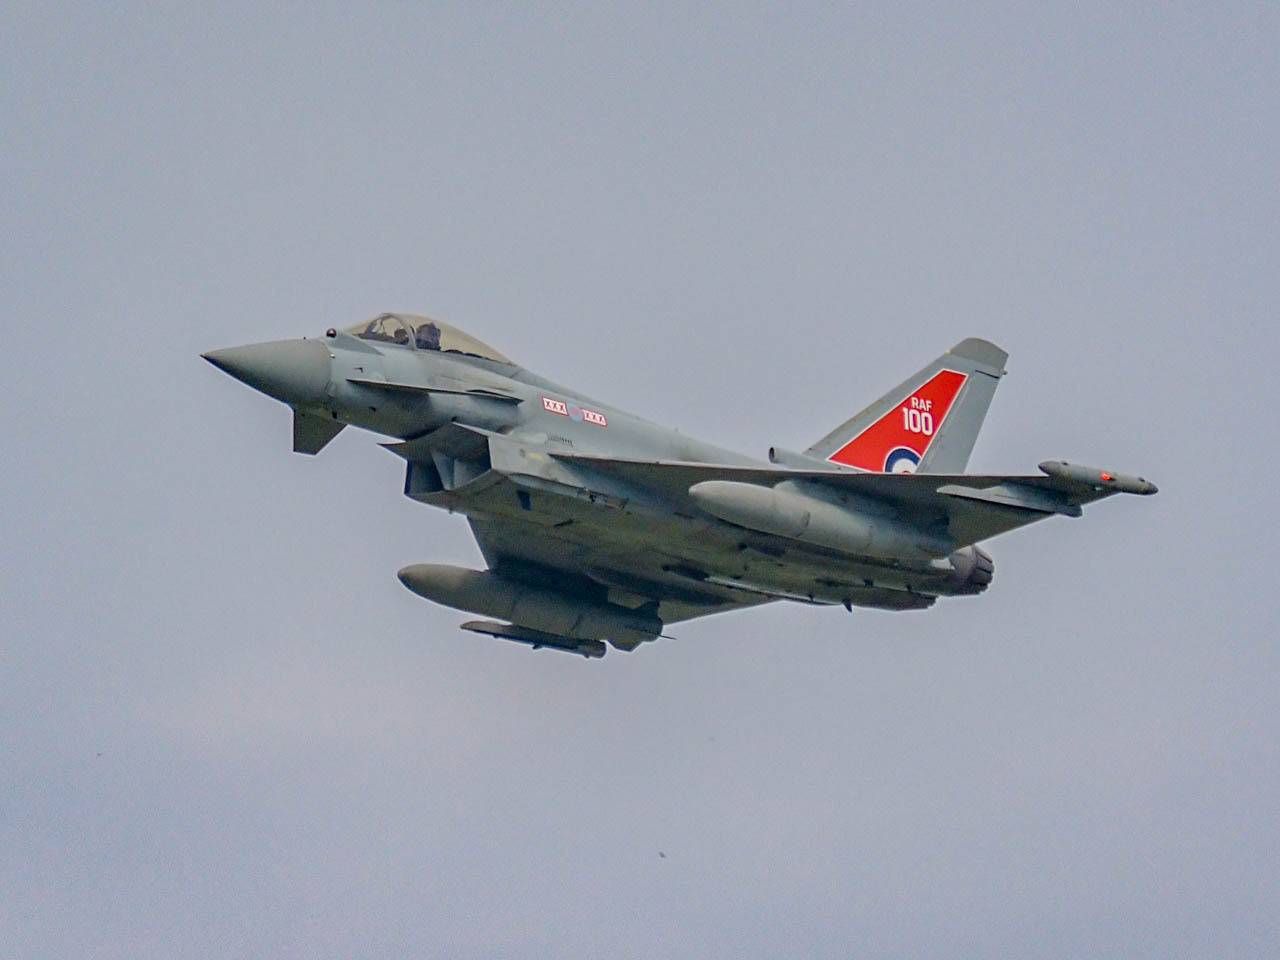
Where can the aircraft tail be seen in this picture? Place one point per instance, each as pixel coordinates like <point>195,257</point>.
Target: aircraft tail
<point>928,423</point>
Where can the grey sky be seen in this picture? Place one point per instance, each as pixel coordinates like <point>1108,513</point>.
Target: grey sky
<point>227,730</point>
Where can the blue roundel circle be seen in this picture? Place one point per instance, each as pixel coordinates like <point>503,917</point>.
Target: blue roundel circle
<point>901,460</point>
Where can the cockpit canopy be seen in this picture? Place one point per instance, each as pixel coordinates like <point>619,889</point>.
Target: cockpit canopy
<point>424,334</point>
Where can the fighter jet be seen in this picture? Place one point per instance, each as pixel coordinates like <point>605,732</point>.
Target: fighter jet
<point>597,525</point>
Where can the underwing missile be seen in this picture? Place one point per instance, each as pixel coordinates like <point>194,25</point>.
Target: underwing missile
<point>536,638</point>
<point>537,608</point>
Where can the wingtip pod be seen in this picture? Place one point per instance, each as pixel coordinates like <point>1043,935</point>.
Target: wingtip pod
<point>1100,479</point>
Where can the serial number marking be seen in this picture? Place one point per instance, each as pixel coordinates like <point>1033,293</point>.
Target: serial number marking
<point>917,421</point>
<point>575,413</point>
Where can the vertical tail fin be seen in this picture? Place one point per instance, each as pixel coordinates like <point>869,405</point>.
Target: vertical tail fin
<point>929,422</point>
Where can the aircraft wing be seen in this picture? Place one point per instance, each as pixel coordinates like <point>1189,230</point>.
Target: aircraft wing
<point>972,507</point>
<point>587,571</point>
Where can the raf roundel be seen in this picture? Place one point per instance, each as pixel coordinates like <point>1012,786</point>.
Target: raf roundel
<point>901,460</point>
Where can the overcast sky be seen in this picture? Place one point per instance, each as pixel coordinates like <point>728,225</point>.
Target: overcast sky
<point>227,730</point>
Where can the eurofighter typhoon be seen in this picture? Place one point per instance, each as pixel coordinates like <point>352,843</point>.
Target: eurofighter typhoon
<point>599,526</point>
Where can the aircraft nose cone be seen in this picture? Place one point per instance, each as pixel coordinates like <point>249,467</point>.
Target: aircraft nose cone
<point>295,371</point>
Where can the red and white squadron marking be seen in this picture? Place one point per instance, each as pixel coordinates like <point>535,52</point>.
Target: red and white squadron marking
<point>897,441</point>
<point>574,412</point>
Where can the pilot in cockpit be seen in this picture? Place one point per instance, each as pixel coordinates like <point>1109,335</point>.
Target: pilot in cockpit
<point>428,336</point>
<point>425,334</point>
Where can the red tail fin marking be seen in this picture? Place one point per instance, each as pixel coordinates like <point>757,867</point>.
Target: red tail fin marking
<point>896,442</point>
